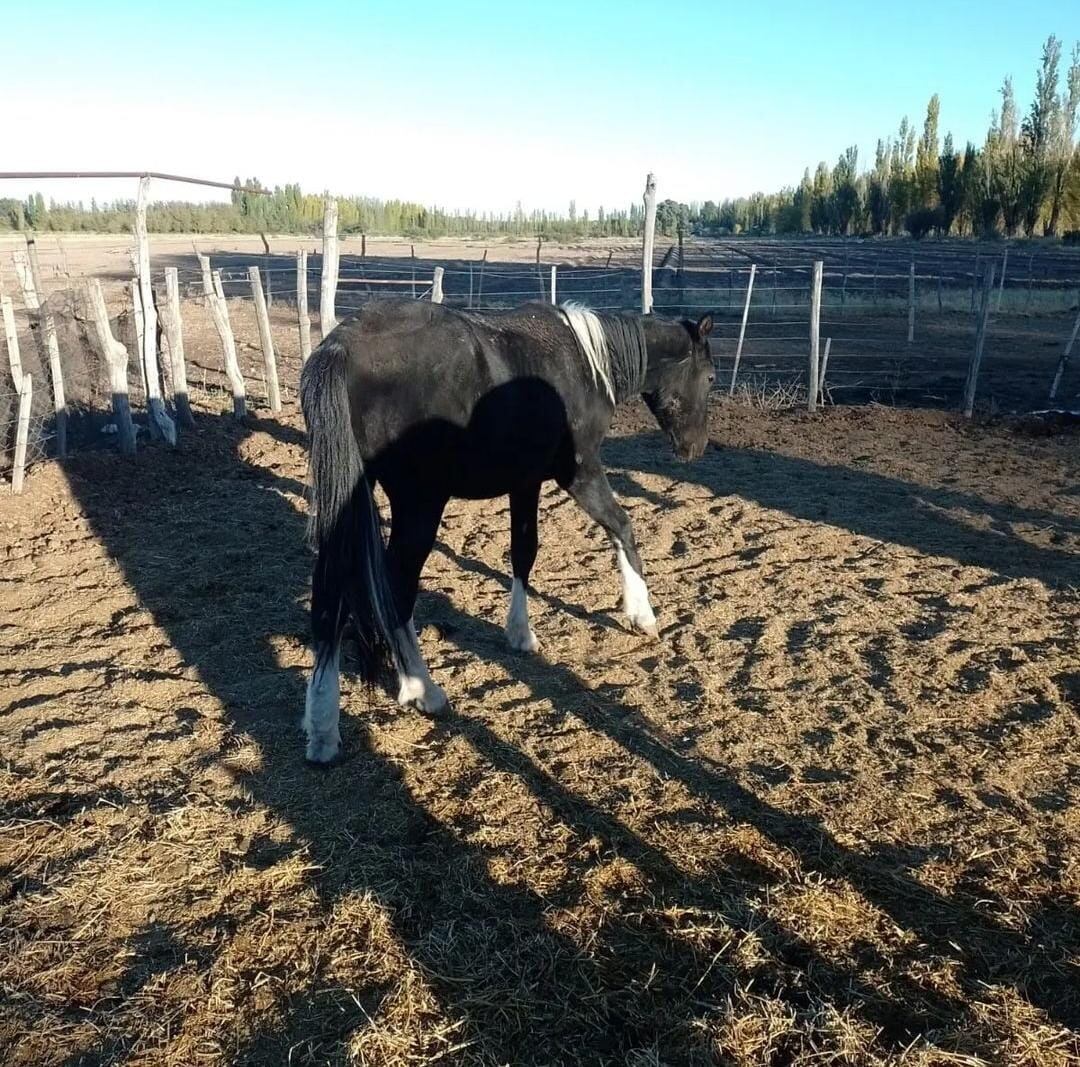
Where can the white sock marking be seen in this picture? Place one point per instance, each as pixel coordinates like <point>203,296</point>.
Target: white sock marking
<point>322,708</point>
<point>416,687</point>
<point>518,634</point>
<point>635,596</point>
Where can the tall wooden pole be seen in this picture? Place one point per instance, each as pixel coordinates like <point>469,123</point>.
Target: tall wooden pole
<point>302,316</point>
<point>160,424</point>
<point>647,245</point>
<point>327,313</point>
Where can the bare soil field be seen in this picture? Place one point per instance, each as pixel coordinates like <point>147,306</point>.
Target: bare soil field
<point>829,817</point>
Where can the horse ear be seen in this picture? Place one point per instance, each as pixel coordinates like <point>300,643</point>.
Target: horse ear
<point>704,327</point>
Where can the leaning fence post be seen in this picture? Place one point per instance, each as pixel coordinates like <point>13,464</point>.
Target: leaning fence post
<point>302,306</point>
<point>38,305</point>
<point>823,371</point>
<point>436,286</point>
<point>1064,361</point>
<point>1001,287</point>
<point>116,358</point>
<point>742,327</point>
<point>815,335</point>
<point>220,312</point>
<point>11,334</point>
<point>980,341</point>
<point>553,271</point>
<point>160,423</point>
<point>911,303</point>
<point>22,432</point>
<point>647,245</point>
<point>327,314</point>
<point>173,330</point>
<point>266,340</point>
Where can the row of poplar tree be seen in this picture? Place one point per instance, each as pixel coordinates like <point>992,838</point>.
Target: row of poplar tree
<point>1023,179</point>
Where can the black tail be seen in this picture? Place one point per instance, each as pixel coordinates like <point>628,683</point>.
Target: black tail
<point>351,568</point>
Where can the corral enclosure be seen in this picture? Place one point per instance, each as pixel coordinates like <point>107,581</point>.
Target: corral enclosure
<point>829,817</point>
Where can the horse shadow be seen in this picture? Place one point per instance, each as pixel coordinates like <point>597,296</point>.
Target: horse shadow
<point>226,590</point>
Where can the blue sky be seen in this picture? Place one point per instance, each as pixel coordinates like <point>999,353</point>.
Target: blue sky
<point>478,105</point>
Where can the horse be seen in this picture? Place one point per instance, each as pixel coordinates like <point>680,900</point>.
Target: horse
<point>433,403</point>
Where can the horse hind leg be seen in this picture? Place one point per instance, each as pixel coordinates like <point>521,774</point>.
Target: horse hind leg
<point>523,547</point>
<point>322,702</point>
<point>414,525</point>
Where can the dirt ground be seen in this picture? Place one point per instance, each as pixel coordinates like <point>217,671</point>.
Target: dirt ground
<point>829,817</point>
<point>106,255</point>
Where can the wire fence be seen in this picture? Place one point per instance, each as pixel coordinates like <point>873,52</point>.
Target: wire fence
<point>36,434</point>
<point>899,320</point>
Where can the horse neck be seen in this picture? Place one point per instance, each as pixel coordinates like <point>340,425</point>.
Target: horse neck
<point>665,343</point>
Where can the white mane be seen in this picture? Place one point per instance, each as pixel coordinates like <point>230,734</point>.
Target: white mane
<point>593,342</point>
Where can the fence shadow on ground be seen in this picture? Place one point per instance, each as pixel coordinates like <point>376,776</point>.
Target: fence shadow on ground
<point>528,993</point>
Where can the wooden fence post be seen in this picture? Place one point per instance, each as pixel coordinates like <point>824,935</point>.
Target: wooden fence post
<point>823,371</point>
<point>160,423</point>
<point>38,305</point>
<point>1064,361</point>
<point>647,245</point>
<point>266,340</point>
<point>980,341</point>
<point>302,306</point>
<point>207,278</point>
<point>116,358</point>
<point>911,303</point>
<point>843,285</point>
<point>974,280</point>
<point>22,433</point>
<point>436,286</point>
<point>137,319</point>
<point>815,336</point>
<point>220,312</point>
<point>412,257</point>
<point>11,335</point>
<point>480,281</point>
<point>553,271</point>
<point>742,327</point>
<point>173,331</point>
<point>327,314</point>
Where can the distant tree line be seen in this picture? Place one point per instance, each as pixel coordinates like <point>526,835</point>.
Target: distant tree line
<point>1023,179</point>
<point>289,210</point>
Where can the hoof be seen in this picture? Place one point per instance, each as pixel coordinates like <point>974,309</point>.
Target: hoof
<point>322,750</point>
<point>646,624</point>
<point>429,699</point>
<point>522,641</point>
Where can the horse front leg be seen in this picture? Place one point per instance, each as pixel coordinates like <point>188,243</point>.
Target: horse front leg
<point>524,542</point>
<point>593,494</point>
